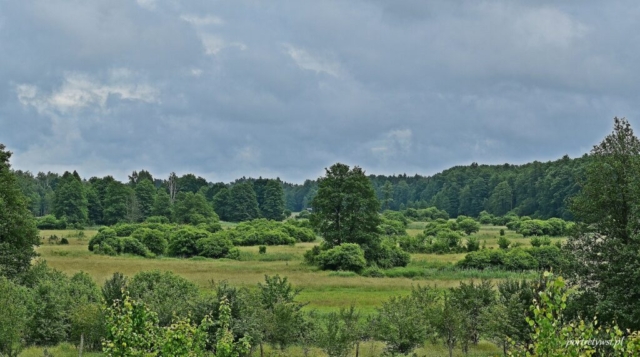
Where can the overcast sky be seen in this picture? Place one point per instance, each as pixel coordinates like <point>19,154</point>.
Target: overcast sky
<point>226,89</point>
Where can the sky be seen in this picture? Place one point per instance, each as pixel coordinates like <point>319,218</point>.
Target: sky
<point>226,89</point>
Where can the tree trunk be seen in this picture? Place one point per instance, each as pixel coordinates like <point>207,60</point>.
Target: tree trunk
<point>357,348</point>
<point>261,350</point>
<point>81,347</point>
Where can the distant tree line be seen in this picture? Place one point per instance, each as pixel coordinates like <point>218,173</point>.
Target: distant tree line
<point>537,189</point>
<point>69,199</point>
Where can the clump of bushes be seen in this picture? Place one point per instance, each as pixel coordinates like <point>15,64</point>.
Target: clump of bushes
<point>425,214</point>
<point>267,232</point>
<point>347,256</point>
<point>50,222</point>
<point>517,259</point>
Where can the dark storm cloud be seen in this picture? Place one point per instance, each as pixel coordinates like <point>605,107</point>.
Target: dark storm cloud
<point>248,88</point>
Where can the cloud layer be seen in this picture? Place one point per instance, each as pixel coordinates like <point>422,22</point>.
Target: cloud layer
<point>286,88</point>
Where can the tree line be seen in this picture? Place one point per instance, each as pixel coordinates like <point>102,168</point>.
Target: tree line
<point>539,190</point>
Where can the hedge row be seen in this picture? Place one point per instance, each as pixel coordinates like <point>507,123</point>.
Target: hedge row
<point>517,259</point>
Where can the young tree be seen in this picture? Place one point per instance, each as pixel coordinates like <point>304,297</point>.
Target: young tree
<point>387,195</point>
<point>605,248</point>
<point>190,208</point>
<point>338,332</point>
<point>18,233</point>
<point>469,226</point>
<point>345,209</point>
<point>450,323</point>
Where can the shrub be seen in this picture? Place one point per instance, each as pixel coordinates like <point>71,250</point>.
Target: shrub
<point>262,249</point>
<point>373,272</point>
<point>124,229</point>
<point>485,217</point>
<point>473,244</point>
<point>214,247</point>
<point>469,226</point>
<point>134,246</point>
<point>503,242</point>
<point>518,259</point>
<point>105,249</point>
<point>535,242</point>
<point>157,219</point>
<point>311,255</point>
<point>548,257</point>
<point>501,231</point>
<point>389,255</point>
<point>210,226</point>
<point>153,239</point>
<point>15,304</point>
<point>165,293</point>
<point>303,214</point>
<point>102,235</point>
<point>301,234</point>
<point>183,241</point>
<point>395,216</point>
<point>64,241</point>
<point>347,256</point>
<point>50,222</point>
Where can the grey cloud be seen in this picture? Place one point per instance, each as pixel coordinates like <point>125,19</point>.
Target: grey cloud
<point>245,88</point>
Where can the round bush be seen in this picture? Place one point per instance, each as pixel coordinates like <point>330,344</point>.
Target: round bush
<point>347,256</point>
<point>518,259</point>
<point>153,239</point>
<point>214,247</point>
<point>103,234</point>
<point>183,241</point>
<point>133,246</point>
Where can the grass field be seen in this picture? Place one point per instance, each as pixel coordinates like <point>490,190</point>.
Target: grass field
<point>323,290</point>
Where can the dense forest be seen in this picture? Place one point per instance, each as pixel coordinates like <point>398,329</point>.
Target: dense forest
<point>536,189</point>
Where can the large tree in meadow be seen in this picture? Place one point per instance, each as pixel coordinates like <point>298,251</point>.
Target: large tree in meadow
<point>18,233</point>
<point>345,209</point>
<point>604,250</point>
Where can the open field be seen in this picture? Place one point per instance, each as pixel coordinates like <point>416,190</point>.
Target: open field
<point>322,289</point>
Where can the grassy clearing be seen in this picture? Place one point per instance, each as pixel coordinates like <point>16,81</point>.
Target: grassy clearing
<point>323,290</point>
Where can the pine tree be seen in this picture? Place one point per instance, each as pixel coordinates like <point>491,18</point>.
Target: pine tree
<point>222,204</point>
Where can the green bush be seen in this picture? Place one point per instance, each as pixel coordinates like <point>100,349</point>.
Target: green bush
<point>125,229</point>
<point>262,249</point>
<point>473,244</point>
<point>469,225</point>
<point>519,259</point>
<point>153,239</point>
<point>373,272</point>
<point>347,256</point>
<point>548,257</point>
<point>503,242</point>
<point>165,293</point>
<point>157,219</point>
<point>103,234</point>
<point>133,246</point>
<point>501,231</point>
<point>389,255</point>
<point>214,247</point>
<point>50,222</point>
<point>182,243</point>
<point>64,241</point>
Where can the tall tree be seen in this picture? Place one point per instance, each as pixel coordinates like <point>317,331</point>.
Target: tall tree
<point>116,201</point>
<point>222,204</point>
<point>145,195</point>
<point>94,206</point>
<point>345,210</point>
<point>18,233</point>
<point>192,208</point>
<point>70,200</point>
<point>387,195</point>
<point>273,201</point>
<point>501,199</point>
<point>606,264</point>
<point>162,204</point>
<point>244,203</point>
